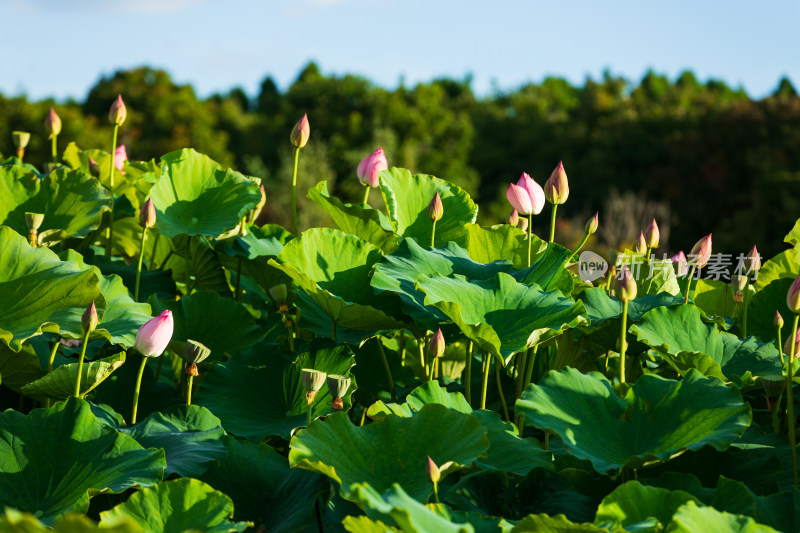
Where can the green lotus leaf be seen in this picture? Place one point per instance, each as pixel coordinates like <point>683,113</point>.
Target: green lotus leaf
<point>71,201</point>
<point>507,451</point>
<point>20,368</point>
<point>267,240</point>
<point>223,325</point>
<point>762,307</point>
<point>264,489</point>
<point>682,336</point>
<point>652,276</point>
<point>156,282</point>
<point>396,506</point>
<point>201,268</point>
<point>60,383</point>
<point>407,197</point>
<point>553,524</point>
<point>365,222</point>
<point>793,237</point>
<point>181,505</point>
<point>657,418</point>
<point>691,518</point>
<point>636,507</point>
<point>392,450</point>
<point>195,196</point>
<point>53,460</point>
<point>501,315</point>
<point>13,521</point>
<point>500,242</point>
<point>333,268</point>
<point>259,392</point>
<point>784,265</point>
<point>364,524</point>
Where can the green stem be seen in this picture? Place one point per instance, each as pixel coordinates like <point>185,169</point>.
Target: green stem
<point>136,390</point>
<point>364,202</point>
<point>387,369</point>
<point>54,147</point>
<point>623,341</point>
<point>294,189</point>
<point>308,413</point>
<point>153,251</point>
<point>485,380</point>
<point>578,249</point>
<point>80,364</point>
<point>790,401</point>
<point>552,223</point>
<point>239,279</point>
<point>529,366</point>
<point>776,420</point>
<point>423,365</point>
<point>530,225</point>
<point>189,390</point>
<point>53,355</point>
<point>468,374</point>
<point>546,444</point>
<point>433,234</point>
<point>744,313</point>
<point>497,369</point>
<point>780,346</point>
<point>521,364</point>
<point>139,267</point>
<point>689,285</point>
<point>436,492</point>
<point>110,230</point>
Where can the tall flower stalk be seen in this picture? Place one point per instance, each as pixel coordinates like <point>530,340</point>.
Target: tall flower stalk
<point>52,124</point>
<point>299,138</point>
<point>793,303</point>
<point>147,219</point>
<point>435,212</point>
<point>369,170</point>
<point>527,197</point>
<point>89,323</point>
<point>116,116</point>
<point>698,257</point>
<point>627,292</point>
<point>151,341</point>
<point>556,191</point>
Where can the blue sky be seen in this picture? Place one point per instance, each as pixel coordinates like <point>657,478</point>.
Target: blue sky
<point>60,48</point>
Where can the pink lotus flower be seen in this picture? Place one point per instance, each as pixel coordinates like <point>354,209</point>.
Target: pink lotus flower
<point>301,132</point>
<point>777,321</point>
<point>557,187</point>
<point>154,335</point>
<point>52,123</point>
<point>641,245</point>
<point>701,251</point>
<point>120,156</point>
<point>793,297</point>
<point>370,168</point>
<point>118,112</point>
<point>526,196</point>
<point>435,208</point>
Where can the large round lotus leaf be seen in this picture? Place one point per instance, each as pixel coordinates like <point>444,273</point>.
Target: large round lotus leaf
<point>195,196</point>
<point>259,393</point>
<point>691,518</point>
<point>392,450</point>
<point>333,268</point>
<point>222,324</point>
<point>762,307</point>
<point>60,383</point>
<point>182,505</point>
<point>783,265</point>
<point>501,315</point>
<point>199,266</point>
<point>365,222</point>
<point>500,242</point>
<point>715,299</point>
<point>72,202</point>
<point>681,335</point>
<point>156,282</point>
<point>636,507</point>
<point>17,369</point>
<point>264,489</point>
<point>53,459</point>
<point>396,506</point>
<point>13,521</point>
<point>553,524</point>
<point>656,419</point>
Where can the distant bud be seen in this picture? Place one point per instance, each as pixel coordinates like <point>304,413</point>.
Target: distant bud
<point>777,321</point>
<point>313,380</point>
<point>337,385</point>
<point>513,218</point>
<point>523,224</point>
<point>52,123</point>
<point>701,251</point>
<point>753,263</point>
<point>627,285</point>
<point>591,224</point>
<point>793,297</point>
<point>94,168</point>
<point>147,215</point>
<point>641,245</point>
<point>652,235</point>
<point>435,209</point>
<point>118,112</point>
<point>556,190</point>
<point>89,318</point>
<point>21,139</point>
<point>279,293</point>
<point>681,265</point>
<point>300,132</point>
<point>34,220</point>
<point>436,345</point>
<point>432,471</point>
<point>195,352</point>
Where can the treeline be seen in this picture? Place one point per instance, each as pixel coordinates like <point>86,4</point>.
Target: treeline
<point>702,157</point>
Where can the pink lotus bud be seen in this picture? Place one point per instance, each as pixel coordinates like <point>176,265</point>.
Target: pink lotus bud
<point>300,132</point>
<point>652,235</point>
<point>535,192</point>
<point>118,112</point>
<point>681,265</point>
<point>778,320</point>
<point>94,168</point>
<point>89,318</point>
<point>435,208</point>
<point>52,123</point>
<point>513,218</point>
<point>154,335</point>
<point>641,245</point>
<point>120,156</point>
<point>557,188</point>
<point>793,297</point>
<point>519,199</point>
<point>591,224</point>
<point>753,262</point>
<point>787,346</point>
<point>147,215</point>
<point>627,285</point>
<point>370,168</point>
<point>432,471</point>
<point>701,251</point>
<point>436,344</point>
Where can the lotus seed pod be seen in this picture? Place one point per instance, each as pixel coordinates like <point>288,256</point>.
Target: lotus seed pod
<point>301,132</point>
<point>337,404</point>
<point>118,112</point>
<point>739,282</point>
<point>21,139</point>
<point>773,385</point>
<point>34,220</point>
<point>195,352</point>
<point>338,385</point>
<point>432,471</point>
<point>627,285</point>
<point>652,235</point>
<point>279,293</point>
<point>592,223</point>
<point>89,318</point>
<point>436,345</point>
<point>513,218</point>
<point>778,320</point>
<point>435,208</point>
<point>313,380</point>
<point>556,189</point>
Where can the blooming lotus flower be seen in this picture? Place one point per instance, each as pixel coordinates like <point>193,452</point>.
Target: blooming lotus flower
<point>147,215</point>
<point>301,132</point>
<point>793,297</point>
<point>701,251</point>
<point>118,112</point>
<point>652,235</point>
<point>526,196</point>
<point>681,265</point>
<point>154,335</point>
<point>52,123</point>
<point>556,188</point>
<point>627,285</point>
<point>592,223</point>
<point>120,156</point>
<point>370,168</point>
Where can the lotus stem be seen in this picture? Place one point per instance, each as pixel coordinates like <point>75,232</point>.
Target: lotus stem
<point>780,346</point>
<point>744,313</point>
<point>80,363</point>
<point>365,201</point>
<point>689,285</point>
<point>294,189</point>
<point>189,390</point>
<point>521,364</point>
<point>164,262</point>
<point>530,224</point>
<point>468,374</point>
<point>436,492</point>
<point>433,234</point>
<point>139,266</point>
<point>54,147</point>
<point>153,251</point>
<point>623,341</point>
<point>136,390</point>
<point>578,249</point>
<point>239,279</point>
<point>309,412</point>
<point>387,370</point>
<point>110,229</point>
<point>790,401</point>
<point>485,380</point>
<point>529,366</point>
<point>552,223</point>
<point>423,364</point>
<point>497,369</point>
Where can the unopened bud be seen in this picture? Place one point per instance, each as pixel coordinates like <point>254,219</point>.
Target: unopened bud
<point>436,345</point>
<point>701,251</point>
<point>556,189</point>
<point>94,168</point>
<point>591,224</point>
<point>788,347</point>
<point>793,297</point>
<point>195,352</point>
<point>652,235</point>
<point>89,318</point>
<point>52,123</point>
<point>432,471</point>
<point>778,320</point>
<point>147,215</point>
<point>681,265</point>
<point>627,285</point>
<point>523,224</point>
<point>513,218</point>
<point>753,263</point>
<point>641,245</point>
<point>300,132</point>
<point>118,112</point>
<point>435,209</point>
